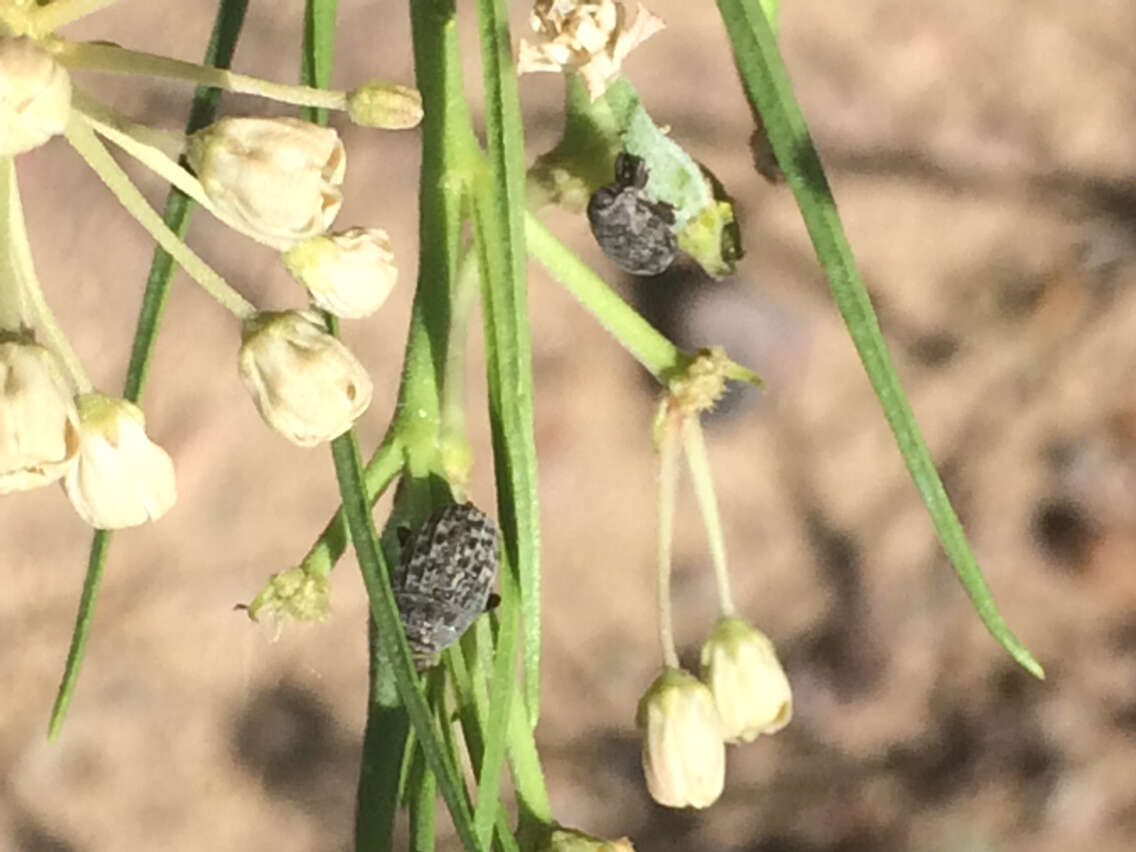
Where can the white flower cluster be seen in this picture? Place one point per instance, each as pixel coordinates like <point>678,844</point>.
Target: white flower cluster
<point>276,180</point>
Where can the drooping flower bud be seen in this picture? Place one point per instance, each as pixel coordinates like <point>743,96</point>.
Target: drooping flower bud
<point>35,96</point>
<point>571,840</point>
<point>121,478</point>
<point>349,274</point>
<point>750,689</point>
<point>39,424</point>
<point>277,178</point>
<point>684,756</point>
<point>305,383</point>
<point>592,37</point>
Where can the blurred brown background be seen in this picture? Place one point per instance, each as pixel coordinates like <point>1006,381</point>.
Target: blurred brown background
<point>981,153</point>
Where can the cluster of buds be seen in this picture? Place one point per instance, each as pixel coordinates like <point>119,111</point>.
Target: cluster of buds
<point>742,691</point>
<point>687,721</point>
<point>276,180</point>
<point>97,445</point>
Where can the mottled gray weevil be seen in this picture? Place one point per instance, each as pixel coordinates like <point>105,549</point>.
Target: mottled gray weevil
<point>632,230</point>
<point>442,581</point>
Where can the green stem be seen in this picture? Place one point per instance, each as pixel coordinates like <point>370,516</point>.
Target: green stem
<point>528,777</point>
<point>452,438</point>
<point>646,345</point>
<point>668,481</point>
<point>695,448</point>
<point>392,637</point>
<point>386,463</point>
<point>96,561</point>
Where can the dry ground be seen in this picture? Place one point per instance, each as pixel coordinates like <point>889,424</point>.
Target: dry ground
<point>982,156</point>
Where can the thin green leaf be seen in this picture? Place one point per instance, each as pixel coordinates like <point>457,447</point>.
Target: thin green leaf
<point>767,83</point>
<point>384,743</point>
<point>392,638</point>
<point>499,207</point>
<point>219,53</point>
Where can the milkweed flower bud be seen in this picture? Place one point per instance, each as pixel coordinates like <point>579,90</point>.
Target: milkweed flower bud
<point>684,756</point>
<point>592,37</point>
<point>570,840</point>
<point>750,689</point>
<point>35,96</point>
<point>278,178</point>
<point>39,424</point>
<point>121,478</point>
<point>349,274</point>
<point>305,383</point>
<point>386,105</point>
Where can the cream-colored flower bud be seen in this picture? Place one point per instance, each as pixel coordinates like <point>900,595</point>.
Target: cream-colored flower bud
<point>684,756</point>
<point>349,274</point>
<point>571,840</point>
<point>121,478</point>
<point>35,96</point>
<point>277,178</point>
<point>305,383</point>
<point>39,424</point>
<point>592,37</point>
<point>750,689</point>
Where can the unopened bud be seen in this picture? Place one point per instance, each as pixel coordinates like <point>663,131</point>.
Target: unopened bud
<point>684,756</point>
<point>349,274</point>
<point>39,424</point>
<point>305,383</point>
<point>121,478</point>
<point>35,96</point>
<point>386,105</point>
<point>750,689</point>
<point>276,178</point>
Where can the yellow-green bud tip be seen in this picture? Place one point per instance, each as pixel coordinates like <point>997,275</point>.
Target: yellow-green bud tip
<point>293,595</point>
<point>386,105</point>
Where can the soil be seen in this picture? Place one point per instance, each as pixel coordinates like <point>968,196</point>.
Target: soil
<point>981,154</point>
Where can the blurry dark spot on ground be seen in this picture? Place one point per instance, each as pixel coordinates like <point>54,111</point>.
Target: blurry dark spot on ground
<point>1062,528</point>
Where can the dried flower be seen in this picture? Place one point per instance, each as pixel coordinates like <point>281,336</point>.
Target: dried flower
<point>305,383</point>
<point>276,178</point>
<point>592,37</point>
<point>35,96</point>
<point>349,274</point>
<point>571,840</point>
<point>39,424</point>
<point>750,689</point>
<point>121,478</point>
<point>294,595</point>
<point>684,756</point>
